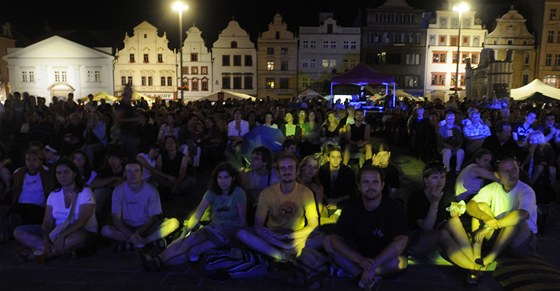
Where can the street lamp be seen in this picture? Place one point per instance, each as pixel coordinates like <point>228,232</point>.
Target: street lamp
<point>179,7</point>
<point>459,8</point>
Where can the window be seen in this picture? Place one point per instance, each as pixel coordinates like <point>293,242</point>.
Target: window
<point>28,77</point>
<point>455,22</point>
<point>60,76</point>
<point>557,60</point>
<point>283,65</point>
<point>123,80</point>
<point>162,81</point>
<point>270,51</point>
<point>237,81</point>
<point>476,41</point>
<point>525,79</point>
<point>185,85</point>
<point>454,60</point>
<point>439,57</point>
<point>466,41</point>
<point>233,44</point>
<point>185,70</point>
<point>432,40</point>
<point>411,81</point>
<point>548,60</point>
<point>550,38</point>
<point>438,79</point>
<point>284,51</point>
<point>305,82</point>
<point>194,70</point>
<point>552,14</point>
<point>325,44</point>
<point>305,44</point>
<point>550,80</point>
<point>151,81</point>
<point>194,84</point>
<point>159,58</point>
<point>131,58</point>
<point>146,58</point>
<point>412,59</point>
<point>237,60</point>
<point>143,80</point>
<point>345,44</point>
<point>325,63</point>
<point>270,66</point>
<point>194,57</point>
<point>443,22</point>
<point>248,60</point>
<point>442,40</point>
<point>312,44</point>
<point>248,81</point>
<point>464,57</point>
<point>226,81</point>
<point>475,57</point>
<point>204,84</point>
<point>269,83</point>
<point>284,83</point>
<point>225,61</point>
<point>353,45</point>
<point>558,37</point>
<point>312,63</point>
<point>461,79</point>
<point>129,80</point>
<point>526,59</point>
<point>94,75</point>
<point>453,40</point>
<point>204,70</point>
<point>333,44</point>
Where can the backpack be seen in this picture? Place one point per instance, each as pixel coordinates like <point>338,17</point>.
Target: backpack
<point>312,268</point>
<point>234,262</point>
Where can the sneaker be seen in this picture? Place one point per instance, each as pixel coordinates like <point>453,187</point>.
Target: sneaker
<point>374,285</point>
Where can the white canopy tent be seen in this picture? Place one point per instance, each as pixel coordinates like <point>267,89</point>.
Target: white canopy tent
<point>535,86</point>
<point>225,94</point>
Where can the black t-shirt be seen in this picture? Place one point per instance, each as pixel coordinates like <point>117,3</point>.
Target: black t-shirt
<point>418,206</point>
<point>371,231</point>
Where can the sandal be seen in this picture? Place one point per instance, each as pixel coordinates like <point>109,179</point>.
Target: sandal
<point>476,275</point>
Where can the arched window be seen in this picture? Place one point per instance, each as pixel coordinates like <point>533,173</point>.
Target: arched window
<point>233,44</point>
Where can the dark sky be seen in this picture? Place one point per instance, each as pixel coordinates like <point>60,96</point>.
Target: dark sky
<point>211,16</point>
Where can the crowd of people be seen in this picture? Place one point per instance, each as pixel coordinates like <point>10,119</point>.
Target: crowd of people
<point>75,171</point>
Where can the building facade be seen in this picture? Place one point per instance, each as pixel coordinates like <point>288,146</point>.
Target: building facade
<point>326,51</point>
<point>234,61</point>
<point>548,69</point>
<point>56,66</point>
<point>277,61</point>
<point>6,41</point>
<point>511,34</point>
<point>147,63</point>
<point>442,47</point>
<point>197,66</point>
<point>394,42</point>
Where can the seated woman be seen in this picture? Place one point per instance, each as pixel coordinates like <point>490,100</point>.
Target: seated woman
<point>540,168</point>
<point>474,174</point>
<point>69,222</point>
<point>227,202</point>
<point>330,130</point>
<point>82,161</point>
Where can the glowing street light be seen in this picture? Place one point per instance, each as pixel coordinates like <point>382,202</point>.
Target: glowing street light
<point>179,7</point>
<point>459,8</point>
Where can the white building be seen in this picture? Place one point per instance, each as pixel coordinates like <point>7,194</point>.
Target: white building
<point>56,66</point>
<point>197,66</point>
<point>147,63</point>
<point>325,51</point>
<point>234,61</point>
<point>442,44</point>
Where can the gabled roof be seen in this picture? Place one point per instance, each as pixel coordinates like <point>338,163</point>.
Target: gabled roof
<point>57,47</point>
<point>362,74</point>
<point>536,86</point>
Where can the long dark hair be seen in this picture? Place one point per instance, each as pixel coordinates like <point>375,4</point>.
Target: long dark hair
<point>86,171</point>
<point>232,172</point>
<point>70,164</point>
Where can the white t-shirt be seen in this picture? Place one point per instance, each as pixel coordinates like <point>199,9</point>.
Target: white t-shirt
<point>136,208</point>
<point>501,202</point>
<point>145,173</point>
<point>60,212</point>
<point>32,190</point>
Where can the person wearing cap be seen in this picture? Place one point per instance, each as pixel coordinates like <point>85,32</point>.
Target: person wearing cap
<point>51,155</point>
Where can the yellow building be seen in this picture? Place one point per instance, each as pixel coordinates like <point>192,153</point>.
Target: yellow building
<point>548,69</point>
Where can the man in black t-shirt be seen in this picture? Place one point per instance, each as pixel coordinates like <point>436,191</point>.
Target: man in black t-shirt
<point>371,233</point>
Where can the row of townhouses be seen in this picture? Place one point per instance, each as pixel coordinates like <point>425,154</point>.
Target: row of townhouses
<point>420,48</point>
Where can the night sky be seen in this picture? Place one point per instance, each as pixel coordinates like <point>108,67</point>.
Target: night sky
<point>29,16</point>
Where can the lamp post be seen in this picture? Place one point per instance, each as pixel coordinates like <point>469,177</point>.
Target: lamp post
<point>179,7</point>
<point>459,8</point>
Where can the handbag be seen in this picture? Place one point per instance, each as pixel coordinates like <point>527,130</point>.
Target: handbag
<point>53,235</point>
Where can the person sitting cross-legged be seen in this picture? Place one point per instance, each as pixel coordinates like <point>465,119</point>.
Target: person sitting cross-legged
<point>371,233</point>
<point>228,203</point>
<point>136,212</point>
<point>286,214</point>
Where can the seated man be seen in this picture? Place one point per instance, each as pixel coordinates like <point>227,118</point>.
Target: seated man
<point>357,137</point>
<point>507,211</point>
<point>371,233</point>
<point>285,216</point>
<point>136,211</point>
<point>338,180</point>
<point>475,132</point>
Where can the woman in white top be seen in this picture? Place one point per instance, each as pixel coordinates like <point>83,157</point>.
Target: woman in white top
<point>473,175</point>
<point>63,233</point>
